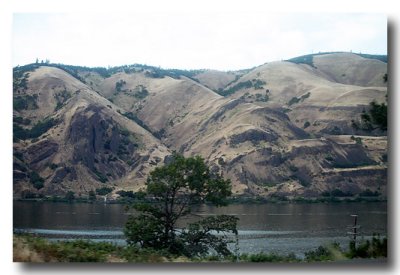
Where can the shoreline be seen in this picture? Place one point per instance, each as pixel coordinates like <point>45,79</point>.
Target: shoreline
<point>241,200</point>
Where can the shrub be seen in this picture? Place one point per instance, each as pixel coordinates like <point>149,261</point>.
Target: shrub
<point>262,98</point>
<point>329,158</point>
<point>53,166</point>
<point>104,191</point>
<point>271,257</point>
<point>368,193</point>
<point>126,194</point>
<point>375,248</point>
<point>141,92</point>
<point>358,140</point>
<point>295,100</point>
<point>101,177</point>
<point>36,180</point>
<point>378,113</point>
<point>25,102</point>
<point>37,130</point>
<point>323,253</point>
<point>21,120</point>
<point>119,84</point>
<point>256,83</point>
<point>133,117</point>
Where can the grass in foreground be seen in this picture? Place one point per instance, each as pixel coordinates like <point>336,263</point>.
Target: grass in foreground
<point>33,249</point>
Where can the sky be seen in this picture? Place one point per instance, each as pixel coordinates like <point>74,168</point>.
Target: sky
<point>191,40</point>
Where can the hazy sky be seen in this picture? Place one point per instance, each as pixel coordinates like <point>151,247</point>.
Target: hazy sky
<point>224,41</point>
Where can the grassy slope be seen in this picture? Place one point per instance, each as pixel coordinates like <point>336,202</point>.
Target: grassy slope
<point>32,249</point>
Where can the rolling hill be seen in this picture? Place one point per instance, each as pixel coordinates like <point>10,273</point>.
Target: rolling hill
<point>285,128</point>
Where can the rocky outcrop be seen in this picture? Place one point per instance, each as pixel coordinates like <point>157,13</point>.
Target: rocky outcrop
<point>254,136</point>
<point>41,152</point>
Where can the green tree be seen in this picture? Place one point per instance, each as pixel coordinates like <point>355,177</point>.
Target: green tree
<point>378,114</point>
<point>171,191</point>
<point>36,180</point>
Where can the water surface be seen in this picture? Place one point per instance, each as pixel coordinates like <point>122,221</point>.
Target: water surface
<point>281,228</point>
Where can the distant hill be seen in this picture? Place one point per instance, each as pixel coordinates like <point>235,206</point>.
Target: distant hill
<point>286,128</point>
<point>308,59</point>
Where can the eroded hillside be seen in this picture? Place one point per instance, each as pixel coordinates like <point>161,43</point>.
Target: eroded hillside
<point>283,128</point>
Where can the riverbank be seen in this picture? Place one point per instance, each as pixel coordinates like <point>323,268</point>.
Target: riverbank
<point>269,228</point>
<point>33,249</point>
<point>232,200</point>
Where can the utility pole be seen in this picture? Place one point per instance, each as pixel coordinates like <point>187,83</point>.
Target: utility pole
<point>354,228</point>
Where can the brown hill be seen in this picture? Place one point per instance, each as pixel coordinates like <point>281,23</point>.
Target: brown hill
<point>89,145</point>
<point>282,129</point>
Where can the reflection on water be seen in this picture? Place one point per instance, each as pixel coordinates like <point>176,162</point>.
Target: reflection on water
<point>281,228</point>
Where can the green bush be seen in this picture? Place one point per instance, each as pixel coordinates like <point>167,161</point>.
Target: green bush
<point>37,130</point>
<point>36,180</point>
<point>73,251</point>
<point>21,120</point>
<point>61,98</point>
<point>322,253</point>
<point>25,102</point>
<point>374,248</point>
<point>141,92</point>
<point>256,83</point>
<point>42,127</point>
<point>295,100</point>
<point>376,117</point>
<point>100,176</point>
<point>271,257</point>
<point>126,194</point>
<point>368,193</point>
<point>378,114</point>
<point>119,84</point>
<point>133,117</point>
<point>104,191</point>
<point>53,166</point>
<point>262,98</point>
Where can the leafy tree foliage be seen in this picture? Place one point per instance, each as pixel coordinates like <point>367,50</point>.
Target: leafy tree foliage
<point>308,59</point>
<point>25,102</point>
<point>378,114</point>
<point>37,130</point>
<point>295,100</point>
<point>257,84</point>
<point>36,180</point>
<point>376,117</point>
<point>374,248</point>
<point>119,85</point>
<point>200,235</point>
<point>172,190</point>
<point>103,191</point>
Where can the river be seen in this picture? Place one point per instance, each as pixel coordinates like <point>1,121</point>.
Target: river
<point>273,227</point>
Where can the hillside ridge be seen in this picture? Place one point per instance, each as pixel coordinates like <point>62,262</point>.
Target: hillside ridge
<point>285,128</point>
